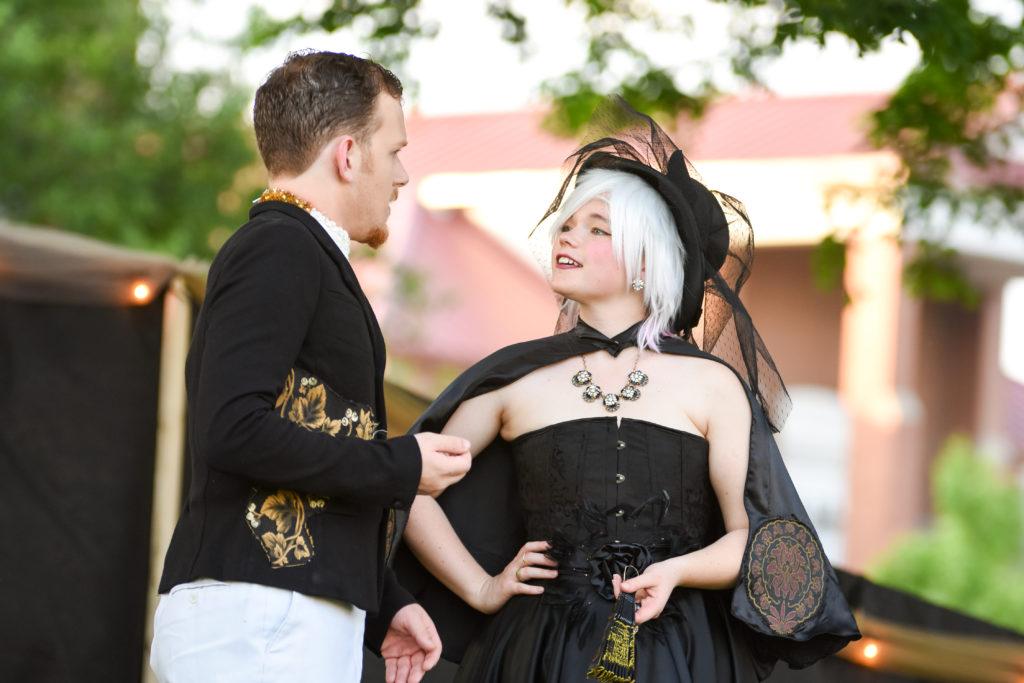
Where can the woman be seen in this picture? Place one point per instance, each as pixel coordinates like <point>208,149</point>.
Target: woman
<point>665,501</point>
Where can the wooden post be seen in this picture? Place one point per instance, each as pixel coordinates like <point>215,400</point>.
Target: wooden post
<point>880,332</point>
<point>169,459</point>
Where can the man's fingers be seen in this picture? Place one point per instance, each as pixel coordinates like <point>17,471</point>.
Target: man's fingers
<point>390,669</point>
<point>433,654</point>
<point>536,546</point>
<point>447,443</point>
<point>416,668</point>
<point>432,658</point>
<point>454,467</point>
<point>403,670</point>
<point>424,636</point>
<point>458,465</point>
<point>616,585</point>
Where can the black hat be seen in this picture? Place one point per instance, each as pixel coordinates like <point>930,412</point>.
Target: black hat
<point>716,234</point>
<point>698,216</point>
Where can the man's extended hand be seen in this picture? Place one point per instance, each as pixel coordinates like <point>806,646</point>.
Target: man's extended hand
<point>446,459</point>
<point>411,646</point>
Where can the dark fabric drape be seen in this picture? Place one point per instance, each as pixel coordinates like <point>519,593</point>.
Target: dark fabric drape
<point>78,410</point>
<point>948,636</point>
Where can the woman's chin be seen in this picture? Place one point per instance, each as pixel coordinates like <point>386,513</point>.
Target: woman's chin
<point>559,287</point>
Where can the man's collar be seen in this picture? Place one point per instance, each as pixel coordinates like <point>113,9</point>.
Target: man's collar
<point>337,233</point>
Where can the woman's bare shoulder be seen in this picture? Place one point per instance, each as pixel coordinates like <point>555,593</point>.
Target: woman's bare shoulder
<point>706,377</point>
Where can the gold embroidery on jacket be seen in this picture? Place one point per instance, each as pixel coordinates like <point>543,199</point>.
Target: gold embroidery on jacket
<point>279,523</point>
<point>278,519</point>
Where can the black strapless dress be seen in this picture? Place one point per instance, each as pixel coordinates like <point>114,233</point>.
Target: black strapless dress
<point>609,495</point>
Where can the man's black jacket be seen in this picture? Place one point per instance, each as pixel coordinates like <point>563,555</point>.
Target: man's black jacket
<point>292,485</point>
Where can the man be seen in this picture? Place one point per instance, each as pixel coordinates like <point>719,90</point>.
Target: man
<point>282,545</point>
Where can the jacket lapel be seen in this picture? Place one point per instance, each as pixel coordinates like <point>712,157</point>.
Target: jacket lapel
<point>349,276</point>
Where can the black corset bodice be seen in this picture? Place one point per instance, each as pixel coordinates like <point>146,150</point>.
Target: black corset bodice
<point>636,492</point>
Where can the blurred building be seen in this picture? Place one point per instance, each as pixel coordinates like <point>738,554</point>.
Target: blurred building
<point>878,382</point>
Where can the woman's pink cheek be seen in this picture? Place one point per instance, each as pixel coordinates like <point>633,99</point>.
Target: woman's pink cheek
<point>602,252</point>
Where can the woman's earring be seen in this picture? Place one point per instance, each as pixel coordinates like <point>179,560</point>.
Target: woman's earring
<point>637,285</point>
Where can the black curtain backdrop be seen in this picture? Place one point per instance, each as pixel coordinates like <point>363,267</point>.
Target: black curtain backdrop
<point>78,402</point>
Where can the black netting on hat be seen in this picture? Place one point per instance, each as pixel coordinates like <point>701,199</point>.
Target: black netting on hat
<point>716,234</point>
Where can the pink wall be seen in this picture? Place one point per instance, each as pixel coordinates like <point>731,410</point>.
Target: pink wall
<point>799,323</point>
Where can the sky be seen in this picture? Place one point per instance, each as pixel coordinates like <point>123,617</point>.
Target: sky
<point>467,68</point>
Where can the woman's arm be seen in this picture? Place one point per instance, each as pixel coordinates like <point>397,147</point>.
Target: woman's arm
<point>718,565</point>
<point>435,544</point>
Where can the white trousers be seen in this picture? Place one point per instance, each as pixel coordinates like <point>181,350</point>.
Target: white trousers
<point>211,631</point>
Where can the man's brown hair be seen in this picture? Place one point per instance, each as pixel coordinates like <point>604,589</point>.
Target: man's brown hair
<point>313,97</point>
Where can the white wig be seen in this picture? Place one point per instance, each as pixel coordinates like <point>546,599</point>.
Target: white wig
<point>643,234</point>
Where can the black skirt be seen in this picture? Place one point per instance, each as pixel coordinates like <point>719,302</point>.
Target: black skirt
<point>539,639</point>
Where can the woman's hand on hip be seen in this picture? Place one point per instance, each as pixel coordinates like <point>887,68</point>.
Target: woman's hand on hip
<point>529,563</point>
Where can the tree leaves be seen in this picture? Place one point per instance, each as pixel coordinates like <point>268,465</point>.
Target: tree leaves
<point>970,559</point>
<point>99,138</point>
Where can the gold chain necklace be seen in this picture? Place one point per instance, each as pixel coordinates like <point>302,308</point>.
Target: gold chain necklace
<point>611,402</point>
<point>273,194</point>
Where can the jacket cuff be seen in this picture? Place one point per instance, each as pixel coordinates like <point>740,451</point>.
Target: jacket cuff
<point>407,453</point>
<point>394,598</point>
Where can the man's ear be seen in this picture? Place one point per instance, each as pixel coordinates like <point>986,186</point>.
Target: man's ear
<point>346,157</point>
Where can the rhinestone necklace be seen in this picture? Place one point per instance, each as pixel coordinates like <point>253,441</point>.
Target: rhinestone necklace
<point>611,402</point>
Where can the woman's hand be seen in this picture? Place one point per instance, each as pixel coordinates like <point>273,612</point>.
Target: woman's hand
<point>652,589</point>
<point>529,563</point>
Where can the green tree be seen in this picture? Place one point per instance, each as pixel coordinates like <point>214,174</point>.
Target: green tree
<point>972,557</point>
<point>944,113</point>
<point>100,138</point>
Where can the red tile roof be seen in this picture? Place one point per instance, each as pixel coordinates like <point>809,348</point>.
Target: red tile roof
<point>759,126</point>
<point>770,127</point>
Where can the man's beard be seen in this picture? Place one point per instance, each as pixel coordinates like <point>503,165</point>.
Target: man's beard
<point>377,237</point>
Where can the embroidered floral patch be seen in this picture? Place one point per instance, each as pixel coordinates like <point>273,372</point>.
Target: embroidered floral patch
<point>785,574</point>
<point>278,519</point>
<point>308,402</point>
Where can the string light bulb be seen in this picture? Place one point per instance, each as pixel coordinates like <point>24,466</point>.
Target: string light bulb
<point>141,292</point>
<point>870,651</point>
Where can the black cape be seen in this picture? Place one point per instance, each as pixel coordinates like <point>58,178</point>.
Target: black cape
<point>787,595</point>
